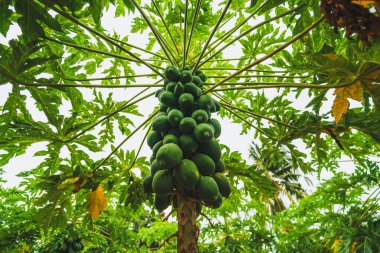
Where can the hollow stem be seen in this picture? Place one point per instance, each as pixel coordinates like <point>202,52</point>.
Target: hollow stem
<point>223,24</point>
<point>285,85</point>
<point>166,27</point>
<point>185,33</point>
<point>124,141</point>
<point>139,48</point>
<point>248,70</point>
<point>107,78</point>
<point>279,49</point>
<point>169,49</point>
<point>156,60</point>
<point>155,32</point>
<point>91,50</point>
<point>75,85</point>
<point>193,24</point>
<point>260,76</point>
<point>232,59</point>
<point>242,35</point>
<point>225,36</point>
<point>137,154</point>
<point>212,34</point>
<point>248,122</point>
<point>127,104</point>
<point>257,115</point>
<point>253,84</point>
<point>104,37</point>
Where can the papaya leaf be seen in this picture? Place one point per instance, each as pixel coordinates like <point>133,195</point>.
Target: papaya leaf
<point>252,3</point>
<point>130,6</point>
<point>96,9</point>
<point>369,73</point>
<point>31,13</point>
<point>5,16</point>
<point>89,142</point>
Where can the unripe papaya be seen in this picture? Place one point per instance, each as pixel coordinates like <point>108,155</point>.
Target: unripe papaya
<point>207,189</point>
<point>148,184</point>
<point>169,155</point>
<point>172,74</point>
<point>187,174</point>
<point>162,182</point>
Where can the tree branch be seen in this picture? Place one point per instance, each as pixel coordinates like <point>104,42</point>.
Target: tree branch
<point>195,19</point>
<point>104,37</point>
<point>308,29</point>
<point>155,33</point>
<point>90,49</point>
<point>242,35</point>
<point>248,70</point>
<point>121,108</point>
<point>212,34</point>
<point>106,78</point>
<point>249,123</point>
<point>185,33</point>
<point>74,85</point>
<point>285,85</point>
<point>168,239</point>
<point>166,27</point>
<point>169,48</point>
<point>167,216</point>
<point>125,140</point>
<point>233,30</point>
<point>257,115</point>
<point>138,152</point>
<point>241,85</point>
<point>208,219</point>
<point>138,48</point>
<point>261,76</point>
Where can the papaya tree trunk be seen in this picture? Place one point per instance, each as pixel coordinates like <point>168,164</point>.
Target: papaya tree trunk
<point>188,232</point>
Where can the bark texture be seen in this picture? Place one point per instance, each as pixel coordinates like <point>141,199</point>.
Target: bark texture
<point>188,231</point>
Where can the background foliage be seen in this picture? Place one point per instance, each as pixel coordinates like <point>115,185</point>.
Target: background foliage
<point>75,191</point>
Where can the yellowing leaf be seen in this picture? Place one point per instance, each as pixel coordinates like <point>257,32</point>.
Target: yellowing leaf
<point>368,4</point>
<point>363,3</point>
<point>335,246</point>
<point>77,184</point>
<point>375,75</point>
<point>341,104</point>
<point>67,183</point>
<point>331,57</point>
<point>352,247</point>
<point>97,202</point>
<point>339,107</point>
<point>24,249</point>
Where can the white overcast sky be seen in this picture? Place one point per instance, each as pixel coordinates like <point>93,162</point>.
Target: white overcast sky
<point>122,25</point>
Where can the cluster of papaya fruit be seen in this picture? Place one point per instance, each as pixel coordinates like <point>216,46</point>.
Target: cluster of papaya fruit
<point>70,245</point>
<point>186,155</point>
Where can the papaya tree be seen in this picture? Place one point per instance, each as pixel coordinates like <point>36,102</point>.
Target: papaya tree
<point>87,87</point>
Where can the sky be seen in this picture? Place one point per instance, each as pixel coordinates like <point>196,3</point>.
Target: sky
<point>230,132</point>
